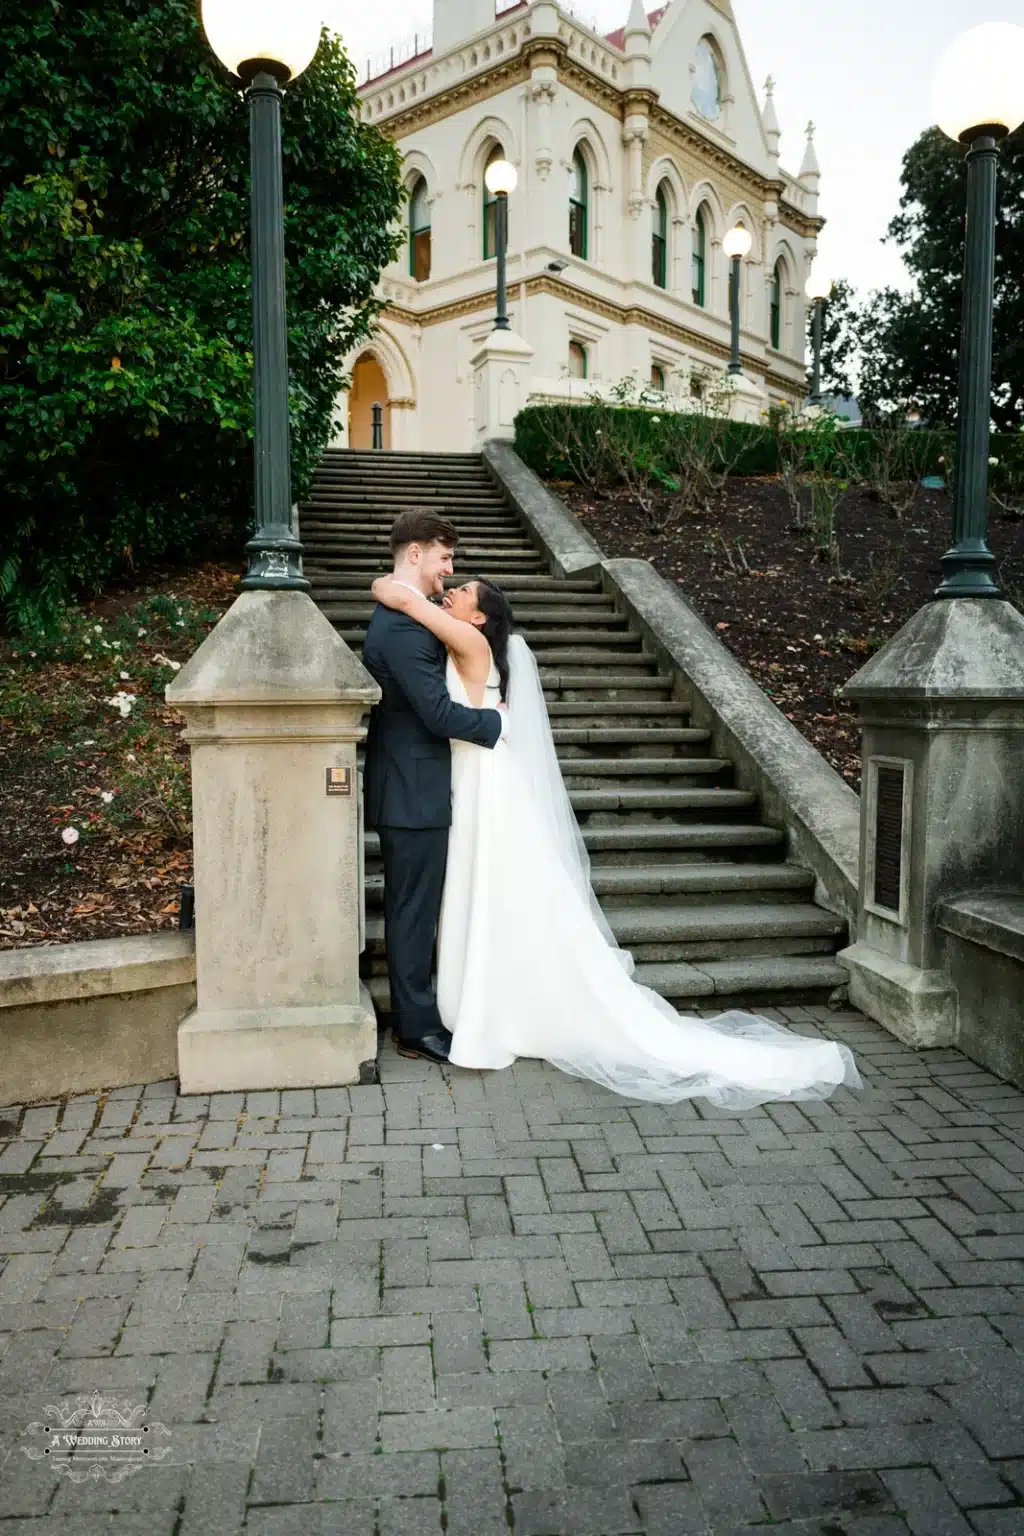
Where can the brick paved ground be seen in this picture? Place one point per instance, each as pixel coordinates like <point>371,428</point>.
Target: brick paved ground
<point>471,1303</point>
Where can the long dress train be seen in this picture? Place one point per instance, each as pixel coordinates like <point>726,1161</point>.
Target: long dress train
<point>527,965</point>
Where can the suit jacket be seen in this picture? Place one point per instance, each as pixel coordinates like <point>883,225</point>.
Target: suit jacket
<point>408,774</point>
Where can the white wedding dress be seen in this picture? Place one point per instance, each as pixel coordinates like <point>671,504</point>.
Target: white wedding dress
<point>528,966</point>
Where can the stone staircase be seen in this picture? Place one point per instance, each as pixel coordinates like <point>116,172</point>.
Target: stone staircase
<point>692,881</point>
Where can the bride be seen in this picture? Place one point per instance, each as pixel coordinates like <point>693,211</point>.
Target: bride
<point>527,964</point>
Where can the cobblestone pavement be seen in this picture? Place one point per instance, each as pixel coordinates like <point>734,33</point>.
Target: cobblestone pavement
<point>473,1303</point>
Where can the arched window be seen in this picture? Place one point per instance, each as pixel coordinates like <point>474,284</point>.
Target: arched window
<point>491,209</point>
<point>577,360</point>
<point>658,377</point>
<point>659,240</point>
<point>419,232</point>
<point>578,207</point>
<point>706,92</point>
<point>776,306</point>
<point>700,251</point>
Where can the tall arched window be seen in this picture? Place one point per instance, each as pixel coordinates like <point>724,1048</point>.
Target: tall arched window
<point>706,91</point>
<point>659,240</point>
<point>700,251</point>
<point>491,209</point>
<point>419,232</point>
<point>577,360</point>
<point>658,377</point>
<point>776,306</point>
<point>578,206</point>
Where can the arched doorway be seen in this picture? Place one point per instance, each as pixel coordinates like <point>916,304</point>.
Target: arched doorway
<point>369,388</point>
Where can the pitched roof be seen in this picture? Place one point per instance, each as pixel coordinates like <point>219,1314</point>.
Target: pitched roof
<point>618,37</point>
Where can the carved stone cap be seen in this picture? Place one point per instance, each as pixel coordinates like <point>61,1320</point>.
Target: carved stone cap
<point>273,648</point>
<point>953,649</point>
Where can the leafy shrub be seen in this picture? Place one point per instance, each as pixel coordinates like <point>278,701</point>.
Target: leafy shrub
<point>125,328</point>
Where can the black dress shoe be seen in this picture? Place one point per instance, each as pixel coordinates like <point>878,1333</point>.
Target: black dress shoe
<point>433,1047</point>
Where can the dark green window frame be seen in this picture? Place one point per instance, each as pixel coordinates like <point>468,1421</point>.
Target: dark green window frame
<point>699,264</point>
<point>579,208</point>
<point>776,307</point>
<point>659,241</point>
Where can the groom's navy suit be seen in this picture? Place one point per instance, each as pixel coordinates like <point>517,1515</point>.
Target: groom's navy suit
<point>408,787</point>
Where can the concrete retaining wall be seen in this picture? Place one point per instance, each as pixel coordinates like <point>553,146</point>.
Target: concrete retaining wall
<point>75,1018</point>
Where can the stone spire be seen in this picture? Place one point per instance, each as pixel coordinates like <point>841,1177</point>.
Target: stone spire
<point>637,21</point>
<point>637,45</point>
<point>810,170</point>
<point>770,120</point>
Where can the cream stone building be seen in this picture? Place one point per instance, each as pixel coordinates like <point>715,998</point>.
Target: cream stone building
<point>635,154</point>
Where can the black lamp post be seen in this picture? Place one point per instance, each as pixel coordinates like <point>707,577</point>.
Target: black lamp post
<point>979,96</point>
<point>736,245</point>
<point>818,291</point>
<point>263,53</point>
<point>501,178</point>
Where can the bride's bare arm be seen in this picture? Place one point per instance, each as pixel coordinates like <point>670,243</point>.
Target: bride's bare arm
<point>464,641</point>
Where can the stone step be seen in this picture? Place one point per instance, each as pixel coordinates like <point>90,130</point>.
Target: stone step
<point>715,923</point>
<point>701,933</point>
<point>610,740</point>
<point>591,715</point>
<point>628,798</point>
<point>345,606</point>
<point>627,839</point>
<point>620,650</point>
<point>536,587</point>
<point>639,772</point>
<point>725,981</point>
<point>687,884</point>
<point>692,883</point>
<point>380,501</point>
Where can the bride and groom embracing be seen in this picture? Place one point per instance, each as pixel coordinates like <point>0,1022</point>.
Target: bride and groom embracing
<point>481,848</point>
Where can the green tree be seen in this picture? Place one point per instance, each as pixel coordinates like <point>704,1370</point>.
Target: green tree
<point>126,329</point>
<point>840,333</point>
<point>909,342</point>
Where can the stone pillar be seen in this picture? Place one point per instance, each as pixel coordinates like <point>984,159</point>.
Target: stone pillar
<point>274,702</point>
<point>502,368</point>
<point>942,801</point>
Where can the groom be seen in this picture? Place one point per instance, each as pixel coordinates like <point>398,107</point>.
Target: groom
<point>408,776</point>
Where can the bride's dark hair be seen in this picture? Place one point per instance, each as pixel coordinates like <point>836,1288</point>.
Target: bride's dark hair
<point>497,629</point>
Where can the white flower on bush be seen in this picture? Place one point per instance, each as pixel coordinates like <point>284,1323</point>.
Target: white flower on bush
<point>993,462</point>
<point>70,835</point>
<point>141,633</point>
<point>165,661</point>
<point>655,420</point>
<point>106,796</point>
<point>125,678</point>
<point>97,629</point>
<point>122,701</point>
<point>130,756</point>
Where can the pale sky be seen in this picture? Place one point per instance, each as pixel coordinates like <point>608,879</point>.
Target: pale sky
<point>861,69</point>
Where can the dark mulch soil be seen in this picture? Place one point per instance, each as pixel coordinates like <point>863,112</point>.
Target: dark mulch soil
<point>71,762</point>
<point>802,626</point>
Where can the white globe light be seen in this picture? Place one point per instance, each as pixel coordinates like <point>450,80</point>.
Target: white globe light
<point>979,81</point>
<point>737,241</point>
<point>284,32</point>
<point>818,286</point>
<point>501,176</point>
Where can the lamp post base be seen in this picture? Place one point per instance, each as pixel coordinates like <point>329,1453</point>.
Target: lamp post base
<point>967,572</point>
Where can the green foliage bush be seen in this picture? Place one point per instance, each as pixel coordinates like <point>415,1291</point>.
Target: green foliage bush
<point>756,448</point>
<point>125,326</point>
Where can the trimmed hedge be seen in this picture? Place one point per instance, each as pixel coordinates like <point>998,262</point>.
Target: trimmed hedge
<point>752,449</point>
